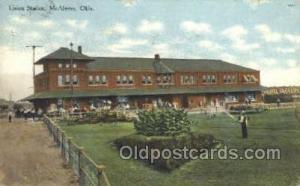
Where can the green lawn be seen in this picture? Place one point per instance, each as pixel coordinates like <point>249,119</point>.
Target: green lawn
<point>270,129</point>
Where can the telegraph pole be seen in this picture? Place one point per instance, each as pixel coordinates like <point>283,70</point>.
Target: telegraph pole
<point>71,64</point>
<point>33,60</point>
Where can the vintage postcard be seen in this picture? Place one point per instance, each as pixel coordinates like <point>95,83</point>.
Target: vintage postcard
<point>152,93</point>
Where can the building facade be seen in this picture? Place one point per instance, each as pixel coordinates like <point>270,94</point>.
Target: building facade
<point>70,77</point>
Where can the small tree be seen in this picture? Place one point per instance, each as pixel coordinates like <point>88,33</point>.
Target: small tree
<point>166,122</point>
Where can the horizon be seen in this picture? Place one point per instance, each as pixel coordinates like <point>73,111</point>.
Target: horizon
<point>265,36</point>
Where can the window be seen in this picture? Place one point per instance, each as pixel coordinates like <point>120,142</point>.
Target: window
<point>188,80</point>
<point>229,79</point>
<point>104,81</point>
<point>164,79</point>
<point>74,65</point>
<point>231,98</point>
<point>67,65</point>
<point>60,80</point>
<point>60,65</point>
<point>124,79</point>
<point>67,79</point>
<point>91,80</point>
<point>249,78</point>
<point>75,80</point>
<point>209,79</point>
<point>97,79</point>
<point>146,79</point>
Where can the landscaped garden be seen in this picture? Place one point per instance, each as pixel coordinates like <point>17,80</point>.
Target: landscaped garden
<point>272,129</point>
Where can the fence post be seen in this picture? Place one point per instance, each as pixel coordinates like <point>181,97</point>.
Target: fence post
<point>62,150</point>
<point>99,173</point>
<point>69,149</point>
<point>80,149</point>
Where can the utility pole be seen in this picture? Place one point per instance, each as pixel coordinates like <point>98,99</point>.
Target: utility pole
<point>71,64</point>
<point>33,60</point>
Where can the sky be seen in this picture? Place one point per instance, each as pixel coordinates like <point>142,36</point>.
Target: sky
<point>260,34</point>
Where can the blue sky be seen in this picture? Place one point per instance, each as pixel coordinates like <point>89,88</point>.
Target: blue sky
<point>262,34</point>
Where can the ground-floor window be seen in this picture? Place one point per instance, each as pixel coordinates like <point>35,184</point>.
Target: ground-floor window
<point>231,97</point>
<point>250,96</point>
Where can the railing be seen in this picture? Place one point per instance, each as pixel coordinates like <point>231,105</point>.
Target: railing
<point>87,171</point>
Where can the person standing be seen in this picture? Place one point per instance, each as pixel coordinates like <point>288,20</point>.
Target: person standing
<point>243,119</point>
<point>10,115</point>
<point>278,102</point>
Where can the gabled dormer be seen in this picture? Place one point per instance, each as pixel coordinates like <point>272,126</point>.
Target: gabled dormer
<point>164,74</point>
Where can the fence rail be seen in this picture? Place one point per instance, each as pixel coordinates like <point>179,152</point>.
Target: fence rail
<point>87,171</point>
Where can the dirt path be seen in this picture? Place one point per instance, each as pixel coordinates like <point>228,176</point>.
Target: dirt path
<point>28,156</point>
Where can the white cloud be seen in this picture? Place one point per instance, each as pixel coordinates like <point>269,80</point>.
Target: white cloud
<point>292,63</point>
<point>228,58</point>
<point>46,23</point>
<point>235,33</point>
<point>33,36</point>
<point>124,45</point>
<point>66,35</point>
<point>241,45</point>
<point>147,26</point>
<point>285,50</point>
<point>79,24</point>
<point>117,28</point>
<point>129,3</point>
<point>256,3</point>
<point>209,45</point>
<point>280,76</point>
<point>267,34</point>
<point>162,48</point>
<point>19,19</point>
<point>293,38</point>
<point>195,27</point>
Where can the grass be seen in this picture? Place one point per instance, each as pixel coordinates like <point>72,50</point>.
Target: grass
<point>277,128</point>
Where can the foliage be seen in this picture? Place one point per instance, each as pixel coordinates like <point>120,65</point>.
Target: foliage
<point>189,141</point>
<point>165,122</point>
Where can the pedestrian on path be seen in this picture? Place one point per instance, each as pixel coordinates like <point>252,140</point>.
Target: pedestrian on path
<point>243,119</point>
<point>10,115</point>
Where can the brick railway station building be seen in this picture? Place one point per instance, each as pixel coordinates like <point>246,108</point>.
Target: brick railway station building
<point>69,77</point>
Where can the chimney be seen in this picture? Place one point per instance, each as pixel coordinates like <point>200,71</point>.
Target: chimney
<point>79,49</point>
<point>156,57</point>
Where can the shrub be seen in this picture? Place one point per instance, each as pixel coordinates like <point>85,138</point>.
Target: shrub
<point>190,140</point>
<point>165,122</point>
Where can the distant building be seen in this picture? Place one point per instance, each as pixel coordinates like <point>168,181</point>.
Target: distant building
<point>186,83</point>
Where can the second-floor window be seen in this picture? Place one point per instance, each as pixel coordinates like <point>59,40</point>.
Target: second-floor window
<point>146,80</point>
<point>228,79</point>
<point>187,80</point>
<point>249,78</point>
<point>60,65</point>
<point>97,80</point>
<point>67,65</point>
<point>164,79</point>
<point>64,80</point>
<point>209,79</point>
<point>125,79</point>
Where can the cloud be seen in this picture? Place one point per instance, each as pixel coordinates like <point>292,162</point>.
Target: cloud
<point>147,26</point>
<point>46,23</point>
<point>162,48</point>
<point>195,27</point>
<point>66,35</point>
<point>209,45</point>
<point>285,50</point>
<point>19,19</point>
<point>287,77</point>
<point>256,3</point>
<point>267,34</point>
<point>228,58</point>
<point>129,3</point>
<point>236,34</point>
<point>124,45</point>
<point>293,38</point>
<point>117,28</point>
<point>79,24</point>
<point>33,36</point>
<point>292,63</point>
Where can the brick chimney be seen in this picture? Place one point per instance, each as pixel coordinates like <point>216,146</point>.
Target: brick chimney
<point>156,57</point>
<point>80,49</point>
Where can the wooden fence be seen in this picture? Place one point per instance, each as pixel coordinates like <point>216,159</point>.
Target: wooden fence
<point>87,171</point>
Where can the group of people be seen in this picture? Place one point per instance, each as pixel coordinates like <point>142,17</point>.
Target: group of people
<point>25,113</point>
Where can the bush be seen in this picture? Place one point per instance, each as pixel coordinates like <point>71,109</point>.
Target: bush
<point>165,122</point>
<point>190,140</point>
